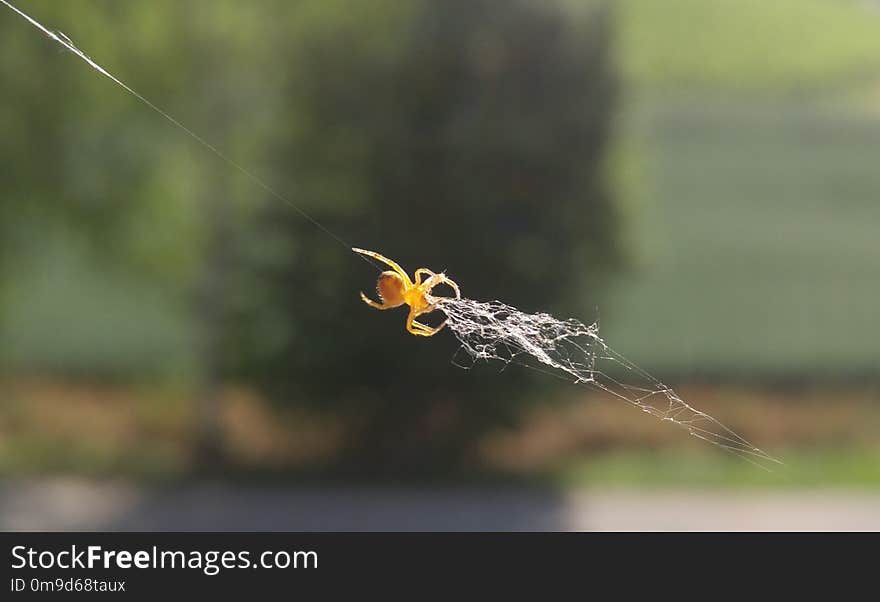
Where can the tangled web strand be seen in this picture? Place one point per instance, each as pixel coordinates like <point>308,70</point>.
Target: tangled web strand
<point>494,331</point>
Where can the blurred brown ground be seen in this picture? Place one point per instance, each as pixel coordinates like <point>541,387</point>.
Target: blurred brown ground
<point>51,427</point>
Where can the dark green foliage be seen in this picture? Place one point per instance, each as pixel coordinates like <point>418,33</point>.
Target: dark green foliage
<point>471,139</point>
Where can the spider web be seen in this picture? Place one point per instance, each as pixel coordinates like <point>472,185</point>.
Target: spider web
<point>569,349</point>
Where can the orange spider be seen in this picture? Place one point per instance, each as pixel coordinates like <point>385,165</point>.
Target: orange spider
<point>395,288</point>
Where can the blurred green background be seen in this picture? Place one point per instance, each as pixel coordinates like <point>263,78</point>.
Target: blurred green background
<point>699,174</point>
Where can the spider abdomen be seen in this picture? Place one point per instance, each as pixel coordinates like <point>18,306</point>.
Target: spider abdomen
<point>391,288</point>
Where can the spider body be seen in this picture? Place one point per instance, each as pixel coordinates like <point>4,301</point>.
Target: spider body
<point>395,288</point>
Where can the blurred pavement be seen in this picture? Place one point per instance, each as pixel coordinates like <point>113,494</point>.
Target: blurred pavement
<point>71,504</point>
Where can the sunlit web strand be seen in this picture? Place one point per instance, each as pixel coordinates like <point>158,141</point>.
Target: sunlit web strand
<point>66,42</point>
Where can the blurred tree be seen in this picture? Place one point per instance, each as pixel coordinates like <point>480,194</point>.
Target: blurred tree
<point>466,135</point>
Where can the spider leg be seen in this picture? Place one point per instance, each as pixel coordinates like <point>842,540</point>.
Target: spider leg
<point>438,279</point>
<point>453,285</point>
<point>425,330</point>
<point>421,271</point>
<point>419,329</point>
<point>392,264</point>
<point>374,304</point>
